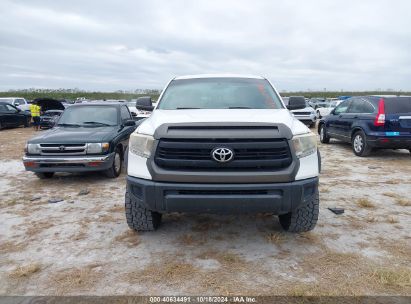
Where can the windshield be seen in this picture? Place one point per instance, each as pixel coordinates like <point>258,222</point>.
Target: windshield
<point>51,113</point>
<point>220,93</point>
<point>89,116</point>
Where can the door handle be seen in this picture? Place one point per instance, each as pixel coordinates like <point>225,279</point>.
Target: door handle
<point>355,117</point>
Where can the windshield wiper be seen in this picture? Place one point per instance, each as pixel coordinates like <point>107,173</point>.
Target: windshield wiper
<point>239,107</point>
<point>183,108</point>
<point>68,125</point>
<point>96,123</point>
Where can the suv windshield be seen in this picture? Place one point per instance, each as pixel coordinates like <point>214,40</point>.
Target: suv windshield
<point>220,93</point>
<point>89,116</point>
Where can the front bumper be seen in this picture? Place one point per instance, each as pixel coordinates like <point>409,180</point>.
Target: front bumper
<point>68,163</point>
<point>46,124</point>
<point>306,118</point>
<point>277,198</point>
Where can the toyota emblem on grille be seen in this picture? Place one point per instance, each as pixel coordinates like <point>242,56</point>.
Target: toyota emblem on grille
<point>222,155</point>
<point>62,148</point>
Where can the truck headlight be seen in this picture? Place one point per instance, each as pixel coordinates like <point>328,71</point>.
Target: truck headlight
<point>305,144</point>
<point>97,148</point>
<point>33,149</point>
<point>141,144</point>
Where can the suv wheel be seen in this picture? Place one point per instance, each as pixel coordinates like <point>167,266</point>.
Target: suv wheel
<point>304,218</point>
<point>359,144</point>
<point>138,217</point>
<point>115,169</point>
<point>44,175</point>
<point>318,114</point>
<point>324,138</point>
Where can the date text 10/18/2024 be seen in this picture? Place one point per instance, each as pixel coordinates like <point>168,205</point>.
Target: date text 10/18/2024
<point>200,299</point>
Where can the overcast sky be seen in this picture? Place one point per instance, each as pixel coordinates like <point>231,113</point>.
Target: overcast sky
<point>112,45</point>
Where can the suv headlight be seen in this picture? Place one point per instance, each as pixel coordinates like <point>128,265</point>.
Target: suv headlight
<point>305,144</point>
<point>141,144</point>
<point>97,148</point>
<point>33,149</point>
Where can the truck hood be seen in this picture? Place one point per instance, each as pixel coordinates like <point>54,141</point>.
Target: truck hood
<point>306,109</point>
<point>74,135</point>
<point>282,116</point>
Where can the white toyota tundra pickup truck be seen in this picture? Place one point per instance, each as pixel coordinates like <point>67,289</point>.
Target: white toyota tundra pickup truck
<point>222,144</point>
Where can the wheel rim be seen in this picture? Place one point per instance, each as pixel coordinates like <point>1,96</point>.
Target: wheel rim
<point>322,133</point>
<point>117,162</point>
<point>358,143</point>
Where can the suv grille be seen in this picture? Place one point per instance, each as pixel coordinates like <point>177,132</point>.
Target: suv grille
<point>249,154</point>
<point>63,149</point>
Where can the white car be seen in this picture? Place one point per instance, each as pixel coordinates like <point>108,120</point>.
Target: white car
<point>222,144</point>
<point>18,102</point>
<point>132,108</point>
<point>321,112</point>
<point>306,115</point>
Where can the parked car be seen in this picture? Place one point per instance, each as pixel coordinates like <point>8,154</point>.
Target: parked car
<point>324,111</point>
<point>132,107</point>
<point>144,113</point>
<point>49,118</point>
<point>369,122</point>
<point>222,144</point>
<point>306,115</point>
<point>47,104</point>
<point>316,100</point>
<point>87,137</point>
<point>11,116</point>
<point>18,102</point>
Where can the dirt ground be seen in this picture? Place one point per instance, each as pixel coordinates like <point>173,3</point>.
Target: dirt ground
<point>82,245</point>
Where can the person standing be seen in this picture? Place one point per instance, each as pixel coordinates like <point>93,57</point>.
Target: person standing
<point>35,114</point>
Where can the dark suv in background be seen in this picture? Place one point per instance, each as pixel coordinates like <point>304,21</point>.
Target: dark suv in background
<point>369,122</point>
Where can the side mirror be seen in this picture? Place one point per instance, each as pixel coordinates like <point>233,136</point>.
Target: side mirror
<point>144,104</point>
<point>296,103</point>
<point>129,123</point>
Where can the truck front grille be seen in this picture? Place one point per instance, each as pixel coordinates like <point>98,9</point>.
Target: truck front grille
<point>249,154</point>
<point>301,113</point>
<point>63,149</point>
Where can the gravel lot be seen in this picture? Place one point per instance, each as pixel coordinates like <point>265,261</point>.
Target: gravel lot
<point>82,245</point>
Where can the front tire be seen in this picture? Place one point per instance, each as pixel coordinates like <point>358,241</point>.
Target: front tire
<point>44,175</point>
<point>319,115</point>
<point>304,218</point>
<point>359,144</point>
<point>138,217</point>
<point>27,122</point>
<point>324,138</point>
<point>115,169</point>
